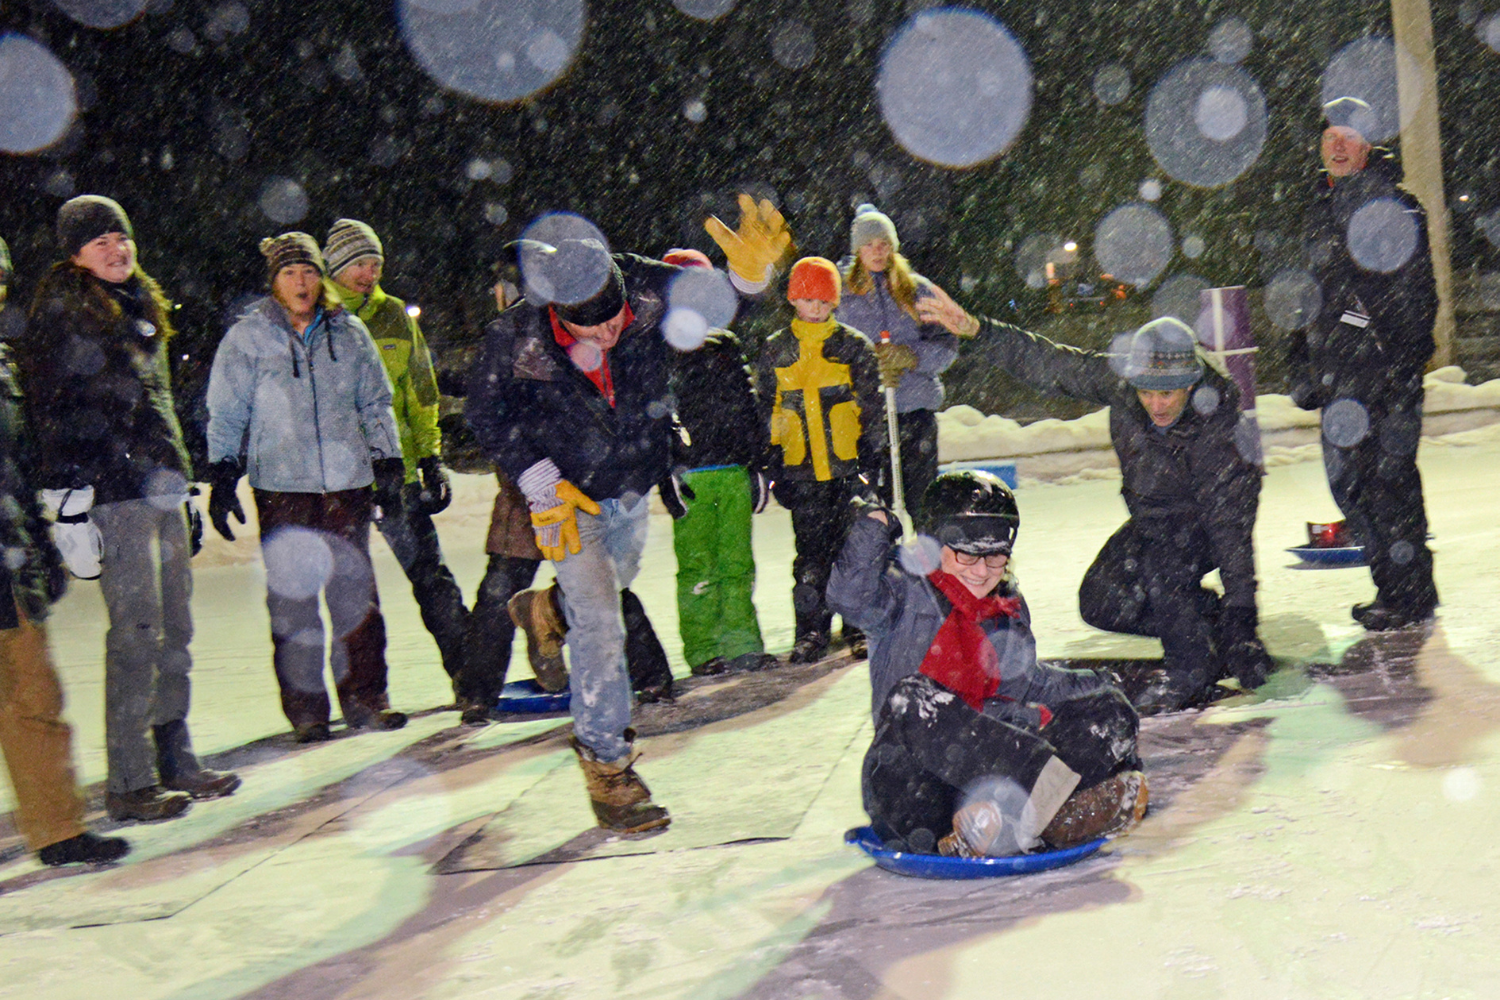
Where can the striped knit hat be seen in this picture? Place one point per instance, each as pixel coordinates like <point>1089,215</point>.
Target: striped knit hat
<point>288,249</point>
<point>1163,356</point>
<point>348,241</point>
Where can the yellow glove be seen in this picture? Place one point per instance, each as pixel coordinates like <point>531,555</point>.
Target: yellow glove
<point>556,527</point>
<point>761,242</point>
<point>894,360</point>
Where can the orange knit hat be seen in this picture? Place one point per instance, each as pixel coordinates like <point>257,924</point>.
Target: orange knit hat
<point>814,278</point>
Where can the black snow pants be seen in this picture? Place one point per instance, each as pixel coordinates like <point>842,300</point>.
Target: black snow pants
<point>930,747</point>
<point>413,539</point>
<point>1147,581</point>
<point>491,634</point>
<point>820,520</point>
<point>1376,484</point>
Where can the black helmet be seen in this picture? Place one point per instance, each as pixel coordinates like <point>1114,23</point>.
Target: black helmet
<point>972,512</point>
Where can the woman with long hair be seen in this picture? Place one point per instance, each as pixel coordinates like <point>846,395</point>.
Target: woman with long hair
<point>880,301</point>
<point>94,367</point>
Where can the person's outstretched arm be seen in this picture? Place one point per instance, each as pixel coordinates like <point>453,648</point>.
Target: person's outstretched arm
<point>1055,369</point>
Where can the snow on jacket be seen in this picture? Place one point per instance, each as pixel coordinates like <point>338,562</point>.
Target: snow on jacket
<point>408,362</point>
<point>901,614</point>
<point>528,401</point>
<point>1191,471</point>
<point>306,415</point>
<point>820,396</point>
<point>717,405</point>
<point>1331,359</point>
<point>920,387</point>
<point>94,366</point>
<point>32,564</point>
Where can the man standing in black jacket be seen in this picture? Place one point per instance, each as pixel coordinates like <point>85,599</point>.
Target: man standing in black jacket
<point>1362,358</point>
<point>571,401</point>
<point>1191,491</point>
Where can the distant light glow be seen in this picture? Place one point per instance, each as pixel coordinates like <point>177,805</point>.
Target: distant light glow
<point>493,50</point>
<point>955,87</point>
<point>1070,246</point>
<point>413,311</point>
<point>37,102</point>
<point>102,13</point>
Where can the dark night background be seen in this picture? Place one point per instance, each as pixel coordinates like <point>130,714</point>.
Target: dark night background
<point>186,113</point>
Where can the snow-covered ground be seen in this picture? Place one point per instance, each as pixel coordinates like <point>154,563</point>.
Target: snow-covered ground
<point>1335,843</point>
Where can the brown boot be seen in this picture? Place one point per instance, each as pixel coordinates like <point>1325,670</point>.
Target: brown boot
<point>146,805</point>
<point>535,612</point>
<point>621,800</point>
<point>1111,807</point>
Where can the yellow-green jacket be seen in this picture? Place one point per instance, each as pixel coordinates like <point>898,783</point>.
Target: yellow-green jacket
<point>414,391</point>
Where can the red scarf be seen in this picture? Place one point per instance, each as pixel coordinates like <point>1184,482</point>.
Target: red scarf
<point>600,376</point>
<point>961,658</point>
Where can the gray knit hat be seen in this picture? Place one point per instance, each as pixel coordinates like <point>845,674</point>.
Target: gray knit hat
<point>88,217</point>
<point>871,224</point>
<point>1163,356</point>
<point>348,241</point>
<point>288,249</point>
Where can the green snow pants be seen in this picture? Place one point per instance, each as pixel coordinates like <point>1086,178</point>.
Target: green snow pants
<point>716,568</point>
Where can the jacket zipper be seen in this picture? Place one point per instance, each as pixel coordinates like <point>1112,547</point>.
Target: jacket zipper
<point>312,385</point>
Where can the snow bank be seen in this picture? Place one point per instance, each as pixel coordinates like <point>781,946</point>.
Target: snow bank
<point>965,434</point>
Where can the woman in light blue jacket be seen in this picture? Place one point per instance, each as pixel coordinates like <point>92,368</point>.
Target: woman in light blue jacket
<point>880,296</point>
<point>298,398</point>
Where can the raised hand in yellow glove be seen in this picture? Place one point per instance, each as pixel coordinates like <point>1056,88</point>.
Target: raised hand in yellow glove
<point>761,242</point>
<point>556,526</point>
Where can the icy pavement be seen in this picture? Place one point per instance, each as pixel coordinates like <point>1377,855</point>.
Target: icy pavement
<point>1330,837</point>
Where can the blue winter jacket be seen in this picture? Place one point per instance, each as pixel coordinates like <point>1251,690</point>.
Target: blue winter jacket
<point>901,613</point>
<point>306,415</point>
<point>874,311</point>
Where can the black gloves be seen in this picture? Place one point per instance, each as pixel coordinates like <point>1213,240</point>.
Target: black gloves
<point>674,495</point>
<point>760,490</point>
<point>437,490</point>
<point>1240,650</point>
<point>390,476</point>
<point>195,524</point>
<point>223,476</point>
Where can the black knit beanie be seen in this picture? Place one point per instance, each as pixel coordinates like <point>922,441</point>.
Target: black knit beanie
<point>88,217</point>
<point>584,269</point>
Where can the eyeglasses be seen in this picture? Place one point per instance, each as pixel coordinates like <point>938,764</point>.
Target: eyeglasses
<point>996,561</point>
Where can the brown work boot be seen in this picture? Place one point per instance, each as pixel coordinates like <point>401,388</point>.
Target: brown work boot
<point>1111,807</point>
<point>536,613</point>
<point>146,805</point>
<point>621,800</point>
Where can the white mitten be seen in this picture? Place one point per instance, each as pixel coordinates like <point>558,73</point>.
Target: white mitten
<point>75,536</point>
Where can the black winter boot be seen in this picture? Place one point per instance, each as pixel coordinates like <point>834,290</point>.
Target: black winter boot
<point>650,675</point>
<point>84,849</point>
<point>809,648</point>
<point>179,767</point>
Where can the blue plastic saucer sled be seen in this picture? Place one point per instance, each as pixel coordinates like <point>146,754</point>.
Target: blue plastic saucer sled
<point>1345,555</point>
<point>937,866</point>
<point>529,696</point>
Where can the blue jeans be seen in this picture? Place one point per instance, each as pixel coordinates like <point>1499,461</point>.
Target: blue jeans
<point>591,582</point>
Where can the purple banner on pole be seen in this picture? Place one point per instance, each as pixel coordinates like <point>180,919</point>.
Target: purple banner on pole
<point>1223,328</point>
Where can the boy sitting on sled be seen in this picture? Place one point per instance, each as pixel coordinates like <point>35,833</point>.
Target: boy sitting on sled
<point>979,750</point>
